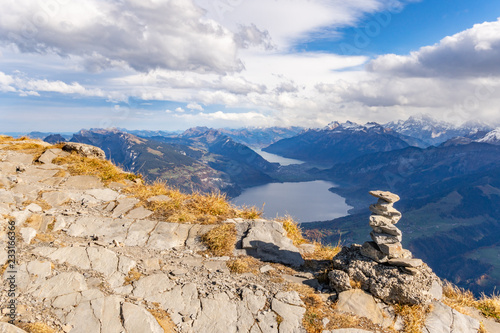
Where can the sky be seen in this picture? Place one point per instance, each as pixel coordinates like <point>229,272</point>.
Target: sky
<point>174,64</point>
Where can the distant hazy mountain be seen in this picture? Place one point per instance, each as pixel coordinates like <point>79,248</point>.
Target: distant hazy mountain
<point>340,142</point>
<point>42,135</point>
<point>244,166</point>
<point>492,137</point>
<point>54,138</point>
<point>435,132</point>
<point>149,133</point>
<point>155,160</point>
<point>261,137</point>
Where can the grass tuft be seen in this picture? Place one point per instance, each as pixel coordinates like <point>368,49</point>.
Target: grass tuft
<point>243,264</point>
<point>292,229</point>
<point>163,319</point>
<point>413,316</point>
<point>103,169</point>
<point>200,208</point>
<point>220,240</point>
<point>37,328</point>
<point>26,147</point>
<point>133,275</point>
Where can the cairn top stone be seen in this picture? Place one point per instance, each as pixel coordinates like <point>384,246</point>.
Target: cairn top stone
<point>386,196</point>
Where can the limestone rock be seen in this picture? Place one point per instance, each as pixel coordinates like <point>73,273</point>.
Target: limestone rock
<point>84,150</point>
<point>385,238</point>
<point>362,304</point>
<point>139,213</point>
<point>8,328</point>
<point>267,241</point>
<point>406,262</point>
<point>137,319</point>
<point>372,251</point>
<point>391,213</point>
<point>386,196</point>
<point>389,283</point>
<point>339,280</point>
<point>64,283</point>
<point>28,234</point>
<point>50,154</point>
<point>287,306</point>
<point>444,319</point>
<point>83,182</point>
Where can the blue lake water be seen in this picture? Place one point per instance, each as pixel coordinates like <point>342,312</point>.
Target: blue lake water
<point>273,158</point>
<point>304,201</point>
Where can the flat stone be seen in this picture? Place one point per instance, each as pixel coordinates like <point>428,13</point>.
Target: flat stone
<point>267,241</point>
<point>391,213</point>
<point>168,236</point>
<point>62,284</point>
<point>291,314</point>
<point>386,196</point>
<point>372,251</point>
<point>125,264</point>
<point>83,182</point>
<point>39,269</point>
<point>139,232</point>
<point>50,154</point>
<point>406,262</point>
<point>361,304</point>
<point>385,238</point>
<point>104,194</point>
<point>266,268</point>
<point>444,319</point>
<point>390,229</point>
<point>139,213</point>
<point>394,250</point>
<point>103,260</point>
<point>218,314</point>
<point>76,256</point>
<point>152,285</point>
<point>159,198</point>
<point>138,319</point>
<point>56,198</point>
<point>28,234</point>
<point>84,150</point>
<point>8,328</point>
<point>124,206</point>
<point>34,208</point>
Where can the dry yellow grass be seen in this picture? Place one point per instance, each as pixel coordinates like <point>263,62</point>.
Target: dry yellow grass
<point>220,240</point>
<point>37,328</point>
<point>200,208</point>
<point>104,169</point>
<point>26,147</point>
<point>133,275</point>
<point>163,319</point>
<point>292,229</point>
<point>413,316</point>
<point>244,264</point>
<point>459,298</point>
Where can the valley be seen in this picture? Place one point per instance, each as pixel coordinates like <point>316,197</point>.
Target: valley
<point>448,178</point>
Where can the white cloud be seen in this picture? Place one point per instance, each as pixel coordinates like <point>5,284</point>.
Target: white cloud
<point>179,110</point>
<point>194,106</point>
<point>144,35</point>
<point>471,53</point>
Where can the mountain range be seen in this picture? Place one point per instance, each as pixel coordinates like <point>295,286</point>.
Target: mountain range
<point>448,177</point>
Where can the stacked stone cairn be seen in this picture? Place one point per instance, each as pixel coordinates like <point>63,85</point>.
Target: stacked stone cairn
<point>386,246</point>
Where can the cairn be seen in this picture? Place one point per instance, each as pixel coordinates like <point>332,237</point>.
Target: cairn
<point>386,246</point>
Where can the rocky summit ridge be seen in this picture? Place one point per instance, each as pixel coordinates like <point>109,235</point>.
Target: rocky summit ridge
<point>81,254</point>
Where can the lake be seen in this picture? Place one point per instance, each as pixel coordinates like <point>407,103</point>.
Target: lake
<point>273,158</point>
<point>304,201</point>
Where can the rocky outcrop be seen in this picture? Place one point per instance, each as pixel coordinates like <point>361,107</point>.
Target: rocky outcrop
<point>91,259</point>
<point>389,283</point>
<point>84,150</point>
